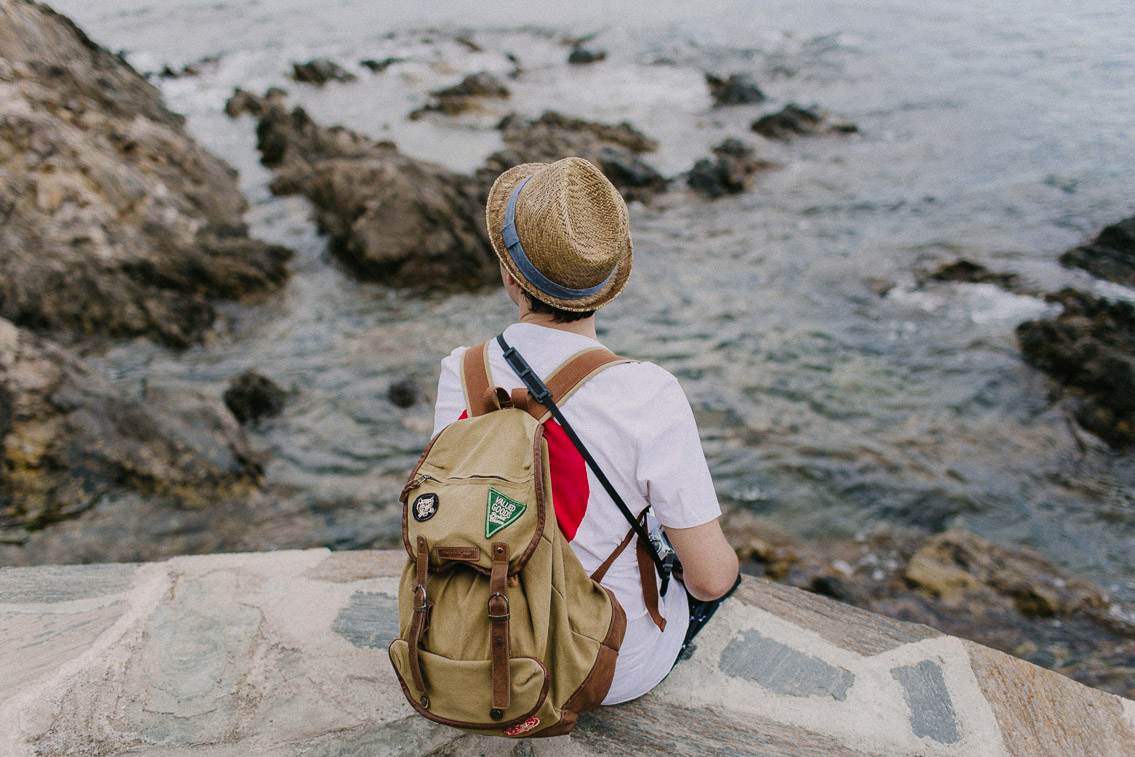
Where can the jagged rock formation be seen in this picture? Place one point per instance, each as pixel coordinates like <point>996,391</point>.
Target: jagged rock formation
<point>730,172</point>
<point>390,217</point>
<point>795,121</point>
<point>464,96</point>
<point>1111,255</point>
<point>115,221</point>
<point>1090,348</point>
<point>736,89</point>
<point>69,437</point>
<point>616,149</point>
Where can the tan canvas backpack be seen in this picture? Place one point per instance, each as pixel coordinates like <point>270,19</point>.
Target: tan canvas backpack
<point>502,631</point>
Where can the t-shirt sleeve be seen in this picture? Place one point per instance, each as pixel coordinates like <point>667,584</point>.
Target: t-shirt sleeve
<point>450,402</point>
<point>672,469</point>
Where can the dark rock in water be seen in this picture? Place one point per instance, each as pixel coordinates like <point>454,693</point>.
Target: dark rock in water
<point>968,272</point>
<point>243,102</point>
<point>390,217</point>
<point>115,221</point>
<point>737,89</point>
<point>252,396</point>
<point>614,148</point>
<point>464,96</point>
<point>404,393</point>
<point>319,71</point>
<point>581,56</point>
<point>729,173</point>
<point>71,437</point>
<point>795,121</point>
<point>1111,255</point>
<point>378,66</point>
<point>1090,347</point>
<point>189,69</point>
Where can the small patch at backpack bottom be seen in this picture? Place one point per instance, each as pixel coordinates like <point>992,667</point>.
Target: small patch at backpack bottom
<point>524,727</point>
<point>501,512</point>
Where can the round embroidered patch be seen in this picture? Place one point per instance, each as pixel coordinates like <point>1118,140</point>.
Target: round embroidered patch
<point>425,507</point>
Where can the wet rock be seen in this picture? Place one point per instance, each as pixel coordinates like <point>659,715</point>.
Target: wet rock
<point>614,148</point>
<point>390,217</point>
<point>958,567</point>
<point>378,66</point>
<point>736,89</point>
<point>116,221</point>
<point>465,96</point>
<point>189,69</point>
<point>71,438</point>
<point>319,71</point>
<point>730,172</point>
<point>795,121</point>
<point>243,102</point>
<point>252,396</point>
<point>1111,255</point>
<point>1090,347</point>
<point>404,393</point>
<point>580,56</point>
<point>968,272</point>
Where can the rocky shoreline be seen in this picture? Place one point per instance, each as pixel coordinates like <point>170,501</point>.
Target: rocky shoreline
<point>120,226</point>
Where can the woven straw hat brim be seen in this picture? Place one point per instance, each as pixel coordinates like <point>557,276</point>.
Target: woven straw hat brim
<point>494,218</point>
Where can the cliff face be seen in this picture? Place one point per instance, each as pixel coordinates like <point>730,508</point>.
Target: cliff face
<point>115,221</point>
<point>285,653</point>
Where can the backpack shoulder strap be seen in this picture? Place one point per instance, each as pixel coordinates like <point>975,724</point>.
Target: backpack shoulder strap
<point>572,373</point>
<point>475,377</point>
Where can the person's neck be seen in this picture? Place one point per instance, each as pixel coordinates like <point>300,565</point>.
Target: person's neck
<point>584,326</point>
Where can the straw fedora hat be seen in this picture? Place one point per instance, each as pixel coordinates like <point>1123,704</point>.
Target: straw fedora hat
<point>561,229</point>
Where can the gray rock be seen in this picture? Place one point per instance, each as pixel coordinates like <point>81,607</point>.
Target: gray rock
<point>73,437</point>
<point>390,217</point>
<point>464,96</point>
<point>319,71</point>
<point>795,121</point>
<point>116,221</point>
<point>614,148</point>
<point>736,89</point>
<point>1111,255</point>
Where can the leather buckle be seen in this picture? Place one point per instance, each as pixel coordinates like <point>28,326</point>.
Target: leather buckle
<point>507,611</point>
<point>425,605</point>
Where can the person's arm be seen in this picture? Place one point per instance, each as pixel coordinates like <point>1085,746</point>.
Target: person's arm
<point>709,564</point>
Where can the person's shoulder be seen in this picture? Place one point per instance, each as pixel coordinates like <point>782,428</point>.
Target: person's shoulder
<point>641,375</point>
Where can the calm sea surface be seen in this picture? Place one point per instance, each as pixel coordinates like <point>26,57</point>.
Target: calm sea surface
<point>1003,133</point>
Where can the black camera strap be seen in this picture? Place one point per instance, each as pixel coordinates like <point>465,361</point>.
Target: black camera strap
<point>542,395</point>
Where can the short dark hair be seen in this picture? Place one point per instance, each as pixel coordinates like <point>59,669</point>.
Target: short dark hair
<point>559,315</point>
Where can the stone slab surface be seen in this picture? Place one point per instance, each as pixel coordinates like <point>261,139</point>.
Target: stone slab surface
<point>284,653</point>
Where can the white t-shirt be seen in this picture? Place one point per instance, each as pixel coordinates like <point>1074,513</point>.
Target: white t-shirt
<point>635,420</point>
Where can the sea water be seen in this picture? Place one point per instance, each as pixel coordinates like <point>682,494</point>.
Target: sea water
<point>834,393</point>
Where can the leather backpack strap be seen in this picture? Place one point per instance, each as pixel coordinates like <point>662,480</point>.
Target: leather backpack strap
<point>572,373</point>
<point>476,378</point>
<point>645,573</point>
<point>499,644</point>
<point>420,622</point>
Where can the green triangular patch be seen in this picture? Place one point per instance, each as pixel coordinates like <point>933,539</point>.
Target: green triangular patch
<point>501,512</point>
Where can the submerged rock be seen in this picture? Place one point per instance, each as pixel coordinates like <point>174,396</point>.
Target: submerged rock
<point>614,148</point>
<point>378,66</point>
<point>464,96</point>
<point>795,121</point>
<point>70,437</point>
<point>404,393</point>
<point>319,71</point>
<point>968,272</point>
<point>736,89</point>
<point>116,221</point>
<point>580,56</point>
<point>252,396</point>
<point>730,172</point>
<point>1090,347</point>
<point>390,217</point>
<point>1111,255</point>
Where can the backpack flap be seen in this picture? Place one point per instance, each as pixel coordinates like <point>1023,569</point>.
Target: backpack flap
<point>480,481</point>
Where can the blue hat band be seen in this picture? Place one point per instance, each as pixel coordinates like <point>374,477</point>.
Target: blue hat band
<point>516,251</point>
